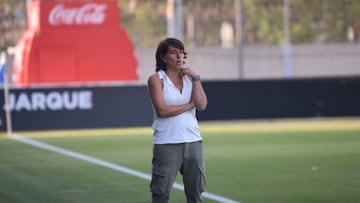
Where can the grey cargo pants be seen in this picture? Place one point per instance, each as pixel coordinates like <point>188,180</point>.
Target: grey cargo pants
<point>168,160</point>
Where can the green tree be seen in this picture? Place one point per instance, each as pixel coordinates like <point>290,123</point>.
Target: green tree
<point>310,20</point>
<point>145,20</point>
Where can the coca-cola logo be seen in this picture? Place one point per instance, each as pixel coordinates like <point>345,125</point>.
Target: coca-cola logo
<point>90,13</point>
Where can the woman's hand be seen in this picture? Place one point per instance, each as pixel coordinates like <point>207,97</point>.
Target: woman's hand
<point>198,96</point>
<point>187,71</point>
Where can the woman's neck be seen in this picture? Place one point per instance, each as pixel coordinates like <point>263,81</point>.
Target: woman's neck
<point>173,73</point>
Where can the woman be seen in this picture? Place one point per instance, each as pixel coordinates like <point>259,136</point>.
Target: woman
<point>176,92</point>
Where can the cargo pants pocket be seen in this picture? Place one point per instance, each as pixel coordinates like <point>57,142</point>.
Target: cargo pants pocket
<point>159,180</point>
<point>202,179</point>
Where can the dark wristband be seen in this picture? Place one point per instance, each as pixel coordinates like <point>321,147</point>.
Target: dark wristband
<point>195,78</point>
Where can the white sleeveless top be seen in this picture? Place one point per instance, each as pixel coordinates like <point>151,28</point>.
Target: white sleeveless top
<point>181,128</point>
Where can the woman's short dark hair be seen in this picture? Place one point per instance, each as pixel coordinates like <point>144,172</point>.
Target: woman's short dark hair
<point>163,47</point>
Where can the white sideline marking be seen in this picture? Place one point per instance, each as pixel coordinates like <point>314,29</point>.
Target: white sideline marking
<point>110,165</point>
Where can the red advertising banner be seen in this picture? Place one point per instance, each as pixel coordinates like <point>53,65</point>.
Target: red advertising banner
<point>78,14</point>
<point>74,41</point>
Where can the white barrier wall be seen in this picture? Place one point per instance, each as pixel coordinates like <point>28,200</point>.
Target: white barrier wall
<point>264,62</point>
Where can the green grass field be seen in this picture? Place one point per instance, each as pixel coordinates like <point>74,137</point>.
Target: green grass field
<point>296,161</point>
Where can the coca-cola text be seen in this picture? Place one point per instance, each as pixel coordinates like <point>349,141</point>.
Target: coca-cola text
<point>87,14</point>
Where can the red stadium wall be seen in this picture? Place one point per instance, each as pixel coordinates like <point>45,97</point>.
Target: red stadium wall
<point>74,41</point>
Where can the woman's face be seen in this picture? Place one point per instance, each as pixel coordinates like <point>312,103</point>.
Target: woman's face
<point>174,58</point>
